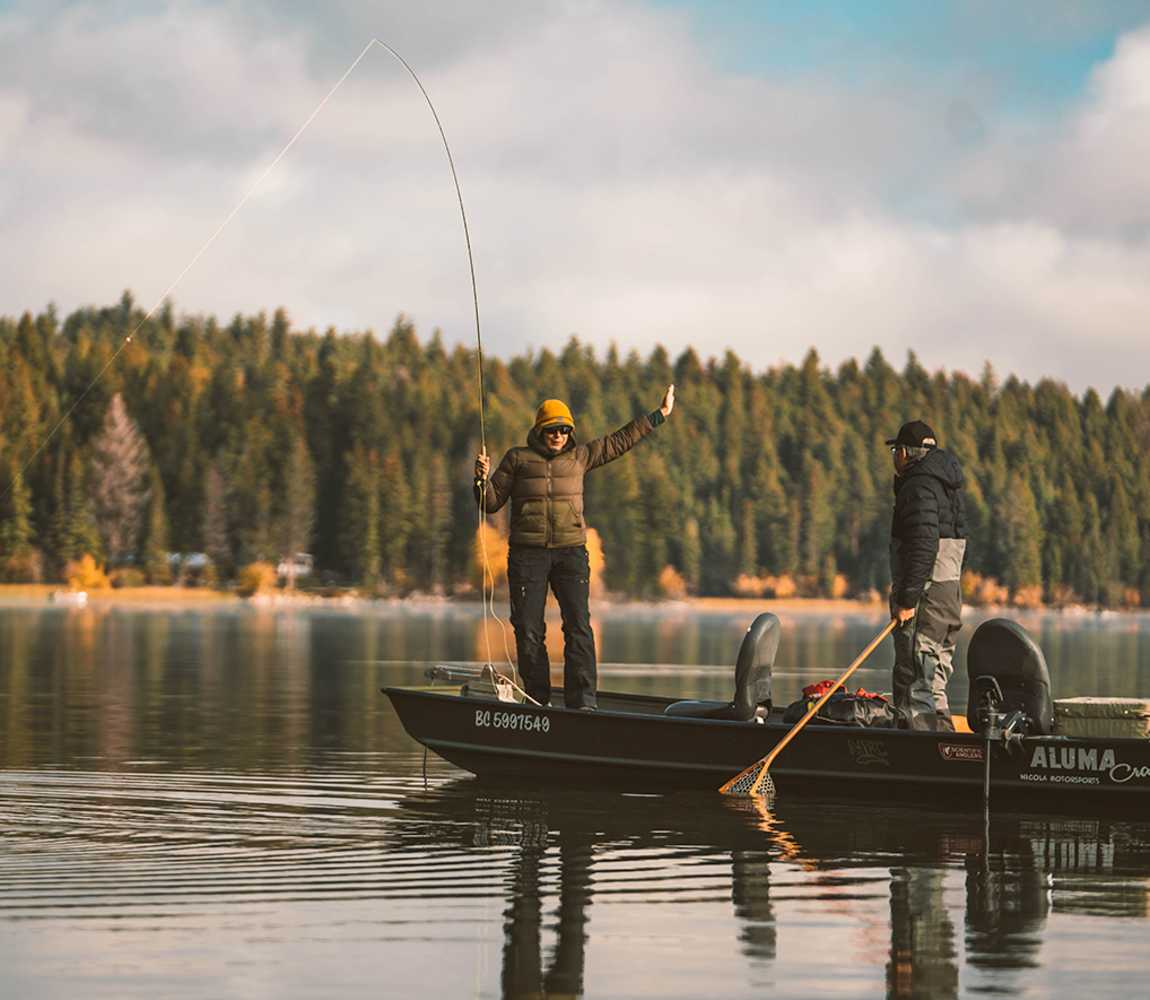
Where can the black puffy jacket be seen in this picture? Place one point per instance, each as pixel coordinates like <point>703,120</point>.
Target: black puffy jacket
<point>928,506</point>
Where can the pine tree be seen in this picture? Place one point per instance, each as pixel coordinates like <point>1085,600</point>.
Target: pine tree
<point>1122,533</point>
<point>817,520</point>
<point>615,509</point>
<point>395,513</point>
<point>80,534</point>
<point>748,543</point>
<point>361,518</point>
<point>662,517</point>
<point>1021,535</point>
<point>719,543</point>
<point>691,555</point>
<point>19,561</point>
<point>438,524</point>
<point>155,548</point>
<point>297,518</point>
<point>214,534</point>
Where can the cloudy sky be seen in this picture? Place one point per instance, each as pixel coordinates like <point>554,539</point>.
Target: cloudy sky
<point>970,180</point>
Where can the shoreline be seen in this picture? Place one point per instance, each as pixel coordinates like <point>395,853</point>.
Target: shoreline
<point>52,595</point>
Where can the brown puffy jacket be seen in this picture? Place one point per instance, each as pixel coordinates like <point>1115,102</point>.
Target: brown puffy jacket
<point>546,490</point>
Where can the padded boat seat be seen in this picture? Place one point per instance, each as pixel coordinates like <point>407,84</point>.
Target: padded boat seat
<point>705,710</point>
<point>752,677</point>
<point>1002,651</point>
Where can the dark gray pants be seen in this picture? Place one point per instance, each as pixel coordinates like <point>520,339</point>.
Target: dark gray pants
<point>567,571</point>
<point>922,666</point>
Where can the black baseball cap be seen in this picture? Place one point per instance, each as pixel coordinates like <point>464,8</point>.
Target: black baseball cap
<point>915,434</point>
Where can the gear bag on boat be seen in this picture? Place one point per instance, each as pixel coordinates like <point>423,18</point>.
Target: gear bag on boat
<point>862,708</point>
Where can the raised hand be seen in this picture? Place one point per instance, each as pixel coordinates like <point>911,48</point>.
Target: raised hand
<point>668,403</point>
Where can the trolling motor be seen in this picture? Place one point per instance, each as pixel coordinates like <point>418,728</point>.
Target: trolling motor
<point>996,722</point>
<point>1009,689</point>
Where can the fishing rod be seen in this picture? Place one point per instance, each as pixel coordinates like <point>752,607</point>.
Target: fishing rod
<point>488,577</point>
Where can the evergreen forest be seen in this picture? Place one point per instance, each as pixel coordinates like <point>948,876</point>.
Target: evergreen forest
<point>249,441</point>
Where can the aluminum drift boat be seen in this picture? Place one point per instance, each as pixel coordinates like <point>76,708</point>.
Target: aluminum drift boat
<point>650,743</point>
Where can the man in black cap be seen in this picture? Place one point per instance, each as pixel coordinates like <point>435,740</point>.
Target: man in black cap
<point>927,545</point>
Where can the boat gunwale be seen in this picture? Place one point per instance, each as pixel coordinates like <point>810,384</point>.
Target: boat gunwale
<point>774,722</point>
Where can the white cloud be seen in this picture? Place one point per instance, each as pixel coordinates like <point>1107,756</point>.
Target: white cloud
<point>1084,172</point>
<point>618,184</point>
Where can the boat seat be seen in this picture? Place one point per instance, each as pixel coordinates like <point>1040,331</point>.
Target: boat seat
<point>752,677</point>
<point>1001,651</point>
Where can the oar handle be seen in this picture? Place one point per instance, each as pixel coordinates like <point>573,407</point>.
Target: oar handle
<point>813,710</point>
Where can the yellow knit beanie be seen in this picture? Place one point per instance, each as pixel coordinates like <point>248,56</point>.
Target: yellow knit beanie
<point>551,413</point>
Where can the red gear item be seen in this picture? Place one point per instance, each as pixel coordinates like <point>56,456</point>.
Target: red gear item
<point>812,692</point>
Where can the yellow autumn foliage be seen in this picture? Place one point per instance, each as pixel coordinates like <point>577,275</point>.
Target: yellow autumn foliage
<point>491,543</point>
<point>86,574</point>
<point>781,586</point>
<point>598,563</point>
<point>671,584</point>
<point>255,578</point>
<point>1027,597</point>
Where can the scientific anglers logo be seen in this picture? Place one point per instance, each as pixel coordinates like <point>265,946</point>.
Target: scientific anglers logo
<point>869,753</point>
<point>1084,765</point>
<point>960,751</point>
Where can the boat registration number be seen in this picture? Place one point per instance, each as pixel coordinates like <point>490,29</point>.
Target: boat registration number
<point>521,721</point>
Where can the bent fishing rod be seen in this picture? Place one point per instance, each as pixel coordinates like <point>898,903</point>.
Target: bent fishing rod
<point>227,220</point>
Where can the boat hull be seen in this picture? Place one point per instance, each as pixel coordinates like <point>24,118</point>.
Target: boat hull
<point>630,743</point>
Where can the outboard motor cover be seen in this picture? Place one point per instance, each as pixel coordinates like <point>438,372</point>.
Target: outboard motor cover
<point>1001,652</point>
<point>752,677</point>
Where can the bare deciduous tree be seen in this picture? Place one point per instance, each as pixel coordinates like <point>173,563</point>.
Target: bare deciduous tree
<point>120,463</point>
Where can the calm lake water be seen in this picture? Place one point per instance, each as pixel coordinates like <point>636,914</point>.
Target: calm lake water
<point>219,803</point>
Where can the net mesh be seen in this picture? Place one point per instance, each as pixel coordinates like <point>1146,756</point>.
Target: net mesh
<point>755,780</point>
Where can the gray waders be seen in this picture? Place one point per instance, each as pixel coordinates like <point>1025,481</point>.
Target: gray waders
<point>924,646</point>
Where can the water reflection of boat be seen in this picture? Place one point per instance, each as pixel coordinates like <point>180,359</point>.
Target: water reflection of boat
<point>946,876</point>
<point>646,742</point>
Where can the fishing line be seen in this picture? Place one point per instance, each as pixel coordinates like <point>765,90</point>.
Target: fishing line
<point>195,259</point>
<point>488,576</point>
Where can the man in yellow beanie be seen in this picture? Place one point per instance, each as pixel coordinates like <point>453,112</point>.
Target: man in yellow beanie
<point>548,543</point>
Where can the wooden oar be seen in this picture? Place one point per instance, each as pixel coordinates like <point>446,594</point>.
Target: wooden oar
<point>750,781</point>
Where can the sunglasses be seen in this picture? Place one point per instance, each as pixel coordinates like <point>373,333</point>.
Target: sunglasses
<point>557,430</point>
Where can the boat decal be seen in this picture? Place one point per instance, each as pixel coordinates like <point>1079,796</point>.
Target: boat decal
<point>869,753</point>
<point>1126,772</point>
<point>523,722</point>
<point>960,751</point>
<point>1077,765</point>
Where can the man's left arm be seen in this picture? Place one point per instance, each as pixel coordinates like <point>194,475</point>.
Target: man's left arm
<point>612,446</point>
